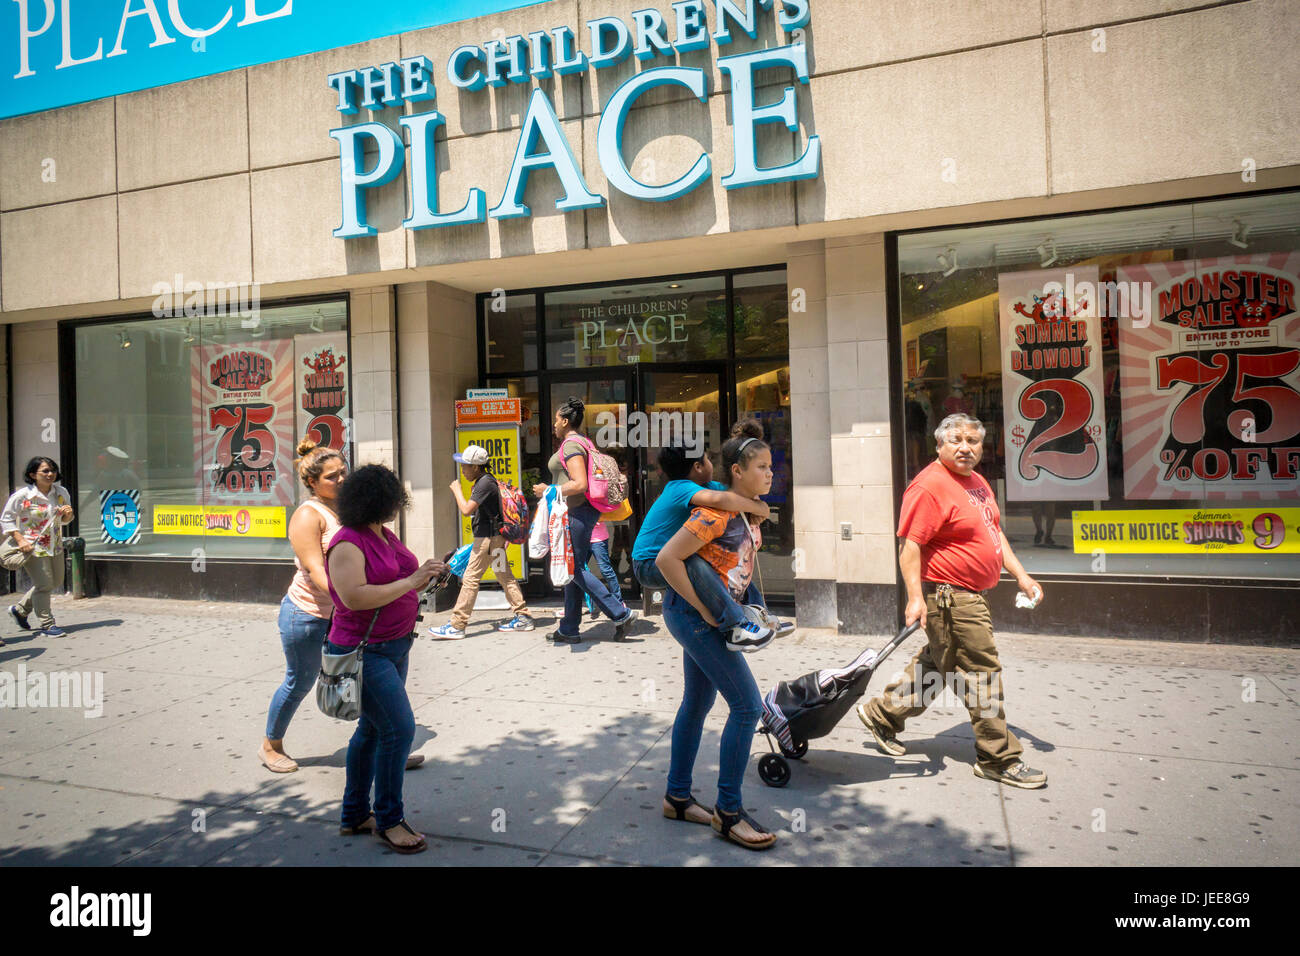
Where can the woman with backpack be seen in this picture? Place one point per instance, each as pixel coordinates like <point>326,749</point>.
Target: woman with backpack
<point>569,470</point>
<point>484,510</point>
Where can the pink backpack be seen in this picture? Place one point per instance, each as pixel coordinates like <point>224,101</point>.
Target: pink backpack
<point>606,485</point>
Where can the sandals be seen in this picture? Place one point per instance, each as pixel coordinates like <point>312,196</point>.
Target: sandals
<point>741,828</point>
<point>397,847</point>
<point>686,808</point>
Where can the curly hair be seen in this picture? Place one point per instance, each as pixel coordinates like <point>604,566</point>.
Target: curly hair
<point>372,493</point>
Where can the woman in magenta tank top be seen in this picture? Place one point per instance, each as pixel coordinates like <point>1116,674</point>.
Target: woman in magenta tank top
<point>373,581</point>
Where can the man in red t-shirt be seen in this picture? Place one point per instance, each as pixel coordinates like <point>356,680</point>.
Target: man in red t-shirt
<point>953,550</point>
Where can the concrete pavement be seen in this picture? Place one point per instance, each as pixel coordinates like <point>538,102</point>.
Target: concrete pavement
<point>1157,754</point>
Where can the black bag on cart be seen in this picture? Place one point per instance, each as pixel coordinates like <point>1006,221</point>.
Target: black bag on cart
<point>800,710</point>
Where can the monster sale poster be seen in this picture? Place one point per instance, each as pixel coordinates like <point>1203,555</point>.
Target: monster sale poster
<point>242,396</point>
<point>323,396</point>
<point>1210,380</point>
<point>1055,423</point>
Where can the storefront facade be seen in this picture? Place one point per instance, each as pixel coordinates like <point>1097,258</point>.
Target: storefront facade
<point>759,210</point>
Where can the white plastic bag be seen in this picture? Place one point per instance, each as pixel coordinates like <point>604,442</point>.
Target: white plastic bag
<point>561,564</point>
<point>539,538</point>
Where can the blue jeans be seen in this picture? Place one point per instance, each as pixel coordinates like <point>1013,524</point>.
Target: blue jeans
<point>301,635</point>
<point>378,749</point>
<point>708,587</point>
<point>600,551</point>
<point>709,668</point>
<point>581,520</point>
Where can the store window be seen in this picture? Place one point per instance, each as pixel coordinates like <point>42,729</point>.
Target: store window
<point>1138,374</point>
<point>676,320</point>
<point>762,311</point>
<point>763,392</point>
<point>186,427</point>
<point>510,327</point>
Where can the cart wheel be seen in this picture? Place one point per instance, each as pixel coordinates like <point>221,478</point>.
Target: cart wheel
<point>798,751</point>
<point>773,770</point>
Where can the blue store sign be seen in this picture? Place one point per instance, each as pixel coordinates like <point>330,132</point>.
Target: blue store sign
<point>58,52</point>
<point>372,154</point>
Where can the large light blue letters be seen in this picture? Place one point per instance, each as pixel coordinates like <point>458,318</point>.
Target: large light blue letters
<point>424,179</point>
<point>746,117</point>
<point>354,183</point>
<point>609,135</point>
<point>541,123</point>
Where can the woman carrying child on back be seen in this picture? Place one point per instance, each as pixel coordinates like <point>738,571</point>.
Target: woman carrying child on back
<point>729,543</point>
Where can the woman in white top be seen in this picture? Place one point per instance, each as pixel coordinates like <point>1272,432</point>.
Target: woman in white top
<point>306,609</point>
<point>33,518</point>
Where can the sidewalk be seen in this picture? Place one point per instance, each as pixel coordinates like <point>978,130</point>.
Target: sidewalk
<point>539,754</point>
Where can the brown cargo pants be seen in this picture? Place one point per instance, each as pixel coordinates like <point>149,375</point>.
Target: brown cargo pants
<point>480,559</point>
<point>960,653</point>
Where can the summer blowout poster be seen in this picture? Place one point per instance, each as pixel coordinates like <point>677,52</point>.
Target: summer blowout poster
<point>1054,414</point>
<point>1210,380</point>
<point>243,416</point>
<point>322,398</point>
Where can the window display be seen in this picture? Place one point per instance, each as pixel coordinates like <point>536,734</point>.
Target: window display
<point>187,428</point>
<point>1138,373</point>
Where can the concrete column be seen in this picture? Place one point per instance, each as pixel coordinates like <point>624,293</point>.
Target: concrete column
<point>861,450</point>
<point>810,407</point>
<point>438,361</point>
<point>34,366</point>
<point>374,352</point>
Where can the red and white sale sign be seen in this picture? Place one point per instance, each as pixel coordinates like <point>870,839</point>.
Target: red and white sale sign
<point>242,396</point>
<point>1053,413</point>
<point>1210,380</point>
<point>323,398</point>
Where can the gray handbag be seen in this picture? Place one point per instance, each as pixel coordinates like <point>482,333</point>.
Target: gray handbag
<point>12,557</point>
<point>338,686</point>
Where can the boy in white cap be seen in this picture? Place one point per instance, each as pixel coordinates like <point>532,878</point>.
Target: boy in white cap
<point>484,507</point>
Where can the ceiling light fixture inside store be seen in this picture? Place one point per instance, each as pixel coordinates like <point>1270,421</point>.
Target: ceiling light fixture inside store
<point>124,340</point>
<point>189,333</point>
<point>1239,233</point>
<point>948,263</point>
<point>1045,259</point>
<point>315,324</point>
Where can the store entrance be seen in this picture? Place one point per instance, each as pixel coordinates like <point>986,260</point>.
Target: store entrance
<point>631,413</point>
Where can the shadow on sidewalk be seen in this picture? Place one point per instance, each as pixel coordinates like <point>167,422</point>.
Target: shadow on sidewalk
<point>532,794</point>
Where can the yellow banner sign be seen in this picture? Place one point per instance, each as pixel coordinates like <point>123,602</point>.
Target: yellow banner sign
<point>1169,531</point>
<point>501,442</point>
<point>223,521</point>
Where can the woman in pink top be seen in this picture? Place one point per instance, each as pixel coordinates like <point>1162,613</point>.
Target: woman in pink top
<point>306,608</point>
<point>374,580</point>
